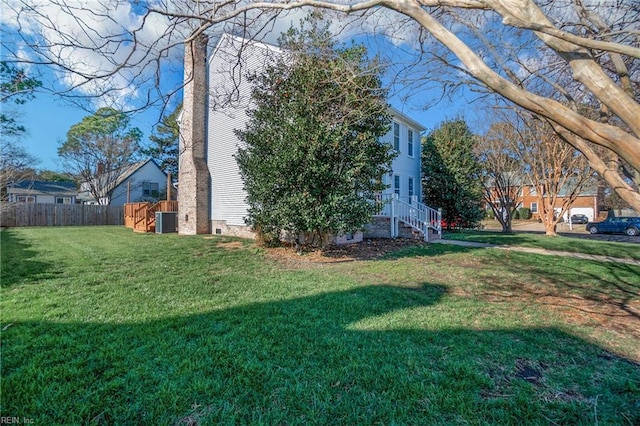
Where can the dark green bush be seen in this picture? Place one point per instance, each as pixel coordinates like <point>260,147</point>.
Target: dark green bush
<point>525,213</point>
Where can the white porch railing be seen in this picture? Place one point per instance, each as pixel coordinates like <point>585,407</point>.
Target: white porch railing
<point>411,212</point>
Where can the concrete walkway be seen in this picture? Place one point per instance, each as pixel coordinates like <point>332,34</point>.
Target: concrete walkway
<point>541,251</point>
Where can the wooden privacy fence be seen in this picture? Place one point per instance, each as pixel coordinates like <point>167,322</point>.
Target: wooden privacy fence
<point>32,214</point>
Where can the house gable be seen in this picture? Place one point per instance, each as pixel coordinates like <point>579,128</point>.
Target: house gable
<point>131,184</point>
<point>142,180</point>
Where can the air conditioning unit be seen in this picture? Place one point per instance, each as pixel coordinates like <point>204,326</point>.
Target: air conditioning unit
<point>166,222</point>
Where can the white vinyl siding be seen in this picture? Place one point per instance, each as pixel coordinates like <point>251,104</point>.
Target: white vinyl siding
<point>225,76</point>
<point>130,188</point>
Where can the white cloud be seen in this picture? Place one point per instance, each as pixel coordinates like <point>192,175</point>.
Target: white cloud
<point>98,47</point>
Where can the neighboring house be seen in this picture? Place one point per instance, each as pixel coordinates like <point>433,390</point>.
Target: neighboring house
<point>141,181</point>
<point>34,191</point>
<point>227,80</point>
<point>586,203</point>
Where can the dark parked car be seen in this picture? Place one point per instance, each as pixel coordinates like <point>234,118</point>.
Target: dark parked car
<point>616,225</point>
<point>579,218</point>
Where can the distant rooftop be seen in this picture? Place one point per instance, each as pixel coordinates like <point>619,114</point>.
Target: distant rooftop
<point>43,187</point>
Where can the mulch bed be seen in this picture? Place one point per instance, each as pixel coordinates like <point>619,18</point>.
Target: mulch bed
<point>369,249</point>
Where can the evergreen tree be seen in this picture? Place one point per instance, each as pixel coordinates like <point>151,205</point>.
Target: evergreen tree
<point>312,160</point>
<point>451,174</point>
<point>16,164</point>
<point>15,86</point>
<point>166,140</point>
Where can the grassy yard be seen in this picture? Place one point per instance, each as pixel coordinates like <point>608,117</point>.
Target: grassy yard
<point>104,326</point>
<point>559,243</point>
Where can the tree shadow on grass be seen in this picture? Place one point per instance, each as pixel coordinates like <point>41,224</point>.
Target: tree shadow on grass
<point>602,292</point>
<point>429,250</point>
<point>368,355</point>
<point>20,263</point>
<point>603,295</point>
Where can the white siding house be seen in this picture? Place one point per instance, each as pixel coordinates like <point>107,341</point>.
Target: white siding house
<point>229,98</point>
<point>140,181</point>
<point>404,136</point>
<point>230,93</point>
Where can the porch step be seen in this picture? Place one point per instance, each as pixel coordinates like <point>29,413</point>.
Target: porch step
<point>380,228</point>
<point>406,230</point>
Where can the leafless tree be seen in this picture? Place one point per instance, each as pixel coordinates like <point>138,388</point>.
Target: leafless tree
<point>16,165</point>
<point>99,150</point>
<point>554,168</point>
<point>503,174</point>
<point>547,57</point>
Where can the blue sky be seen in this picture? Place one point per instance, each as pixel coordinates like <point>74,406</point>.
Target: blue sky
<point>48,119</point>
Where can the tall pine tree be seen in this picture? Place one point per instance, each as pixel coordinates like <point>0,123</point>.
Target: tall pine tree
<point>166,140</point>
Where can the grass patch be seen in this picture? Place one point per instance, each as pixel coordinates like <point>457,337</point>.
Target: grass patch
<point>102,326</point>
<point>558,243</point>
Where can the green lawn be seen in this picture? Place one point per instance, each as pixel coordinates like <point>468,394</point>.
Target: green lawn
<point>559,243</point>
<point>104,326</point>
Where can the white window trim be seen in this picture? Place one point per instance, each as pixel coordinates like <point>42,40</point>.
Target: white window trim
<point>411,186</point>
<point>410,152</point>
<point>534,203</point>
<point>396,136</point>
<point>399,180</point>
<point>65,200</point>
<point>147,186</point>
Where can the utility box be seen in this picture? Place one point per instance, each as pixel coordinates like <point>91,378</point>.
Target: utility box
<point>166,222</point>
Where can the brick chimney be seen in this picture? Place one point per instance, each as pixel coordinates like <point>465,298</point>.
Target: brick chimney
<point>193,175</point>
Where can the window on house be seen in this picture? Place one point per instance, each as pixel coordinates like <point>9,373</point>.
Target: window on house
<point>25,199</point>
<point>396,184</point>
<point>534,207</point>
<point>396,137</point>
<point>63,200</point>
<point>411,187</point>
<point>150,189</point>
<point>410,143</point>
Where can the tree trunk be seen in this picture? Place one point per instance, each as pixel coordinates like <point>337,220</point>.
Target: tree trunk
<point>614,138</point>
<point>550,228</point>
<point>612,177</point>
